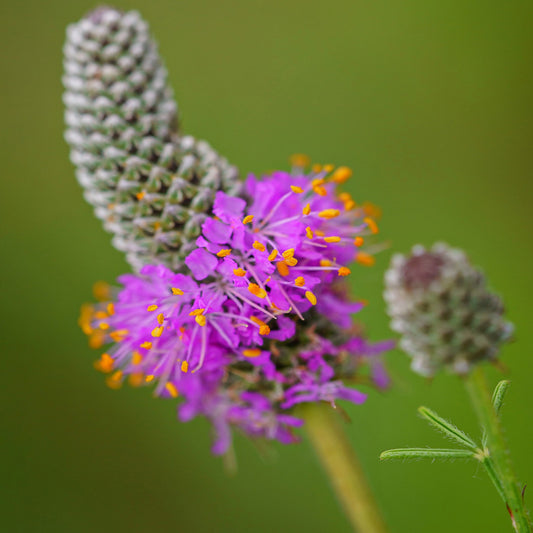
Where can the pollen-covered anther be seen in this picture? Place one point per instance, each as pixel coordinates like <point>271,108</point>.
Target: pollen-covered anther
<point>264,329</point>
<point>224,252</point>
<point>140,195</point>
<point>309,233</point>
<point>329,213</point>
<point>325,263</point>
<point>359,241</point>
<point>344,271</point>
<point>311,297</point>
<point>299,281</point>
<point>149,378</point>
<point>176,291</point>
<point>341,175</point>
<point>160,318</point>
<point>239,272</point>
<point>256,290</point>
<point>300,160</point>
<point>114,381</point>
<point>296,189</point>
<point>365,259</point>
<point>332,238</point>
<point>251,352</point>
<point>152,307</point>
<point>146,345</point>
<point>103,325</point>
<point>283,268</point>
<point>110,308</point>
<point>101,291</point>
<point>105,363</point>
<point>328,168</point>
<point>119,334</point>
<point>247,219</point>
<point>273,255</point>
<point>371,224</point>
<point>318,187</point>
<point>136,358</point>
<point>171,389</point>
<point>184,366</point>
<point>158,331</point>
<point>307,209</point>
<point>259,246</point>
<point>201,320</point>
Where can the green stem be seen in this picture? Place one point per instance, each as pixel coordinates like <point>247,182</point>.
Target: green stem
<point>477,387</point>
<point>341,464</point>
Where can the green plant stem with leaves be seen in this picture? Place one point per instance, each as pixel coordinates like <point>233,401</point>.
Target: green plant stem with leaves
<point>495,446</point>
<point>341,464</point>
<point>492,453</point>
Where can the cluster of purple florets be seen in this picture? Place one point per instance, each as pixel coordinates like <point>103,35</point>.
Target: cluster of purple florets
<point>259,319</point>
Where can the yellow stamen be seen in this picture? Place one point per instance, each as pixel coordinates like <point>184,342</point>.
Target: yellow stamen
<point>184,366</point>
<point>291,261</point>
<point>97,339</point>
<point>253,352</point>
<point>105,363</point>
<point>110,308</point>
<point>341,175</point>
<point>273,255</point>
<point>247,219</point>
<point>100,315</point>
<point>320,190</point>
<point>307,209</point>
<point>309,232</point>
<point>299,281</point>
<point>157,332</point>
<point>311,297</point>
<point>329,213</point>
<point>365,259</point>
<point>300,160</point>
<point>136,358</point>
<point>152,307</point>
<point>372,226</point>
<point>239,272</point>
<point>256,290</point>
<point>147,345</point>
<point>296,189</point>
<point>328,168</point>
<point>317,182</point>
<point>224,252</point>
<point>349,205</point>
<point>149,378</point>
<point>372,210</point>
<point>101,291</point>
<point>259,246</point>
<point>316,167</point>
<point>283,268</point>
<point>264,330</point>
<point>197,312</point>
<point>176,291</point>
<point>119,334</point>
<point>344,271</point>
<point>200,320</point>
<point>104,325</point>
<point>333,238</point>
<point>114,381</point>
<point>288,253</point>
<point>171,388</point>
<point>135,379</point>
<point>160,318</point>
<point>140,195</point>
<point>319,232</point>
<point>325,263</point>
<point>359,241</point>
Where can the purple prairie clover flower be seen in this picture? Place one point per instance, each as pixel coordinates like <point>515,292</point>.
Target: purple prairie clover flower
<point>258,321</point>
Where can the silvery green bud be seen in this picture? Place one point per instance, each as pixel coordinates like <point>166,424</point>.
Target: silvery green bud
<point>441,306</point>
<point>151,186</point>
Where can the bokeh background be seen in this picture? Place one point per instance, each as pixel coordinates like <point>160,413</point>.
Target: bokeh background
<point>428,102</point>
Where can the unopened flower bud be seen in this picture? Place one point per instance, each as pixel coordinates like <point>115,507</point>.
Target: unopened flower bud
<point>151,186</point>
<point>441,306</point>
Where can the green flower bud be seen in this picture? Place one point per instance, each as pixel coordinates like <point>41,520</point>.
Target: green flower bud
<point>441,306</point>
<point>151,186</point>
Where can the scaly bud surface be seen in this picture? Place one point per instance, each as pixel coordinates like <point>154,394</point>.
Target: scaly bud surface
<point>441,306</point>
<point>151,186</point>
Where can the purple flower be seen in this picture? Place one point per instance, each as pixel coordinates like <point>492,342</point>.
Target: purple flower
<point>260,322</point>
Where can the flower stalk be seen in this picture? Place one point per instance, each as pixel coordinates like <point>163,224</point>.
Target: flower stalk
<point>342,467</point>
<point>500,466</point>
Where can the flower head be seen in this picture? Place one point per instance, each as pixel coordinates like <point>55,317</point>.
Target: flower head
<point>260,322</point>
<point>441,306</point>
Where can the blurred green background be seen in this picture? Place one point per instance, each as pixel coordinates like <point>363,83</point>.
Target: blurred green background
<point>428,102</point>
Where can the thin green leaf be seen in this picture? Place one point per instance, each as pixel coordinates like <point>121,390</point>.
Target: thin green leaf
<point>426,453</point>
<point>499,394</point>
<point>447,428</point>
